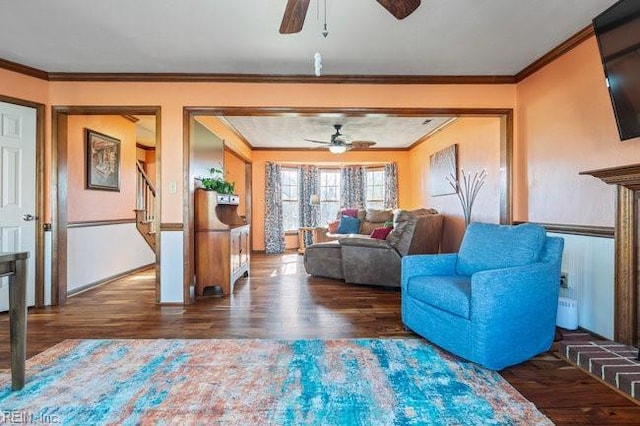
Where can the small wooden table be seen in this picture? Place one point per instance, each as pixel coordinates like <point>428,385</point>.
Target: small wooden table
<point>302,231</point>
<point>14,266</point>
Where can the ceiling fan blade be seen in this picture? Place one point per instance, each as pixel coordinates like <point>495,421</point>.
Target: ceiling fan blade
<point>361,144</point>
<point>399,8</point>
<point>294,15</point>
<point>314,141</point>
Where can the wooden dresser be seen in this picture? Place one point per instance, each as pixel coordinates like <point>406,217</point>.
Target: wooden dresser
<point>222,242</point>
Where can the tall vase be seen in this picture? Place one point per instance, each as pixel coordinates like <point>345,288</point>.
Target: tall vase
<point>467,217</point>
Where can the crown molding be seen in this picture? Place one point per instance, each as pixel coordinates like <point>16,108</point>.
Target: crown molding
<point>321,149</point>
<point>544,60</point>
<point>555,53</point>
<point>23,69</point>
<point>282,78</point>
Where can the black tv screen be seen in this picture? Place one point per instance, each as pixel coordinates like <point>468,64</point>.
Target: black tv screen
<point>618,32</point>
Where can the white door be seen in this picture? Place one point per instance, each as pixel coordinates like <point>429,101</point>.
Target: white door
<point>18,190</point>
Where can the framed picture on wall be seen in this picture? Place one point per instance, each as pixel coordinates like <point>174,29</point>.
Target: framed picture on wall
<point>102,161</point>
<point>443,164</point>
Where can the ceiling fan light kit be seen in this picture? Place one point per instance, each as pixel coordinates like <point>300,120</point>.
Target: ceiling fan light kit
<point>340,143</point>
<point>338,149</point>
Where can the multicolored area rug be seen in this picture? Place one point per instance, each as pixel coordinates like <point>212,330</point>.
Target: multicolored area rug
<point>261,382</point>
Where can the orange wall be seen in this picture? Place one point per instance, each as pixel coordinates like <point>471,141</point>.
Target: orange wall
<point>24,87</point>
<point>318,158</point>
<point>478,141</point>
<point>228,136</point>
<point>148,157</point>
<point>150,161</point>
<point>92,204</point>
<point>234,172</point>
<point>566,125</point>
<point>173,96</point>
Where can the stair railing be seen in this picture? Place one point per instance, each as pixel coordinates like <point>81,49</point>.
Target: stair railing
<point>145,195</point>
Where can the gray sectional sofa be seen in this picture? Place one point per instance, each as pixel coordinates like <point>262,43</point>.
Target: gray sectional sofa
<point>363,260</point>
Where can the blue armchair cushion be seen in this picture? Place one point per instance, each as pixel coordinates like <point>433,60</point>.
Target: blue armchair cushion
<point>488,246</point>
<point>447,293</point>
<point>349,225</point>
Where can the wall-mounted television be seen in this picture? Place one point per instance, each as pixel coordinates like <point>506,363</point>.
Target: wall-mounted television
<point>618,32</point>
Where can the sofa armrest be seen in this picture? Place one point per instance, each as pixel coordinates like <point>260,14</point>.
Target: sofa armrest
<point>370,261</point>
<point>320,235</point>
<point>428,264</point>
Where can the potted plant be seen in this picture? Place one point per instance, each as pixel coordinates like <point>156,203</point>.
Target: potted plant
<point>216,182</point>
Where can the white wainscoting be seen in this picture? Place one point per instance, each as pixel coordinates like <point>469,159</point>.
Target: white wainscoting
<point>589,263</point>
<point>171,267</point>
<point>96,253</point>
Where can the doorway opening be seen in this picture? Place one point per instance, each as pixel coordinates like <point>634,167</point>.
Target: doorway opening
<point>105,210</point>
<point>504,137</point>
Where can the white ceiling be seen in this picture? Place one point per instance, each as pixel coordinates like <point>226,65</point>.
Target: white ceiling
<point>443,37</point>
<point>290,132</point>
<point>146,130</point>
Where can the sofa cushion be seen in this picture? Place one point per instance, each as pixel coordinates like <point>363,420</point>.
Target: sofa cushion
<point>366,228</point>
<point>448,293</point>
<point>349,212</point>
<point>332,227</point>
<point>349,225</point>
<point>490,246</point>
<point>379,215</point>
<point>381,233</point>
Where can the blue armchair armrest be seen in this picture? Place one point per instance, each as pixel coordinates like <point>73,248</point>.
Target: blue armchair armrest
<point>428,264</point>
<point>512,307</point>
<point>521,289</point>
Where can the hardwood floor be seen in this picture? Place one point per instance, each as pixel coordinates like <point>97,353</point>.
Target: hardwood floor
<point>280,301</point>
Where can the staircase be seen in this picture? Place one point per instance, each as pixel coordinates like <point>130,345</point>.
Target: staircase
<point>145,207</point>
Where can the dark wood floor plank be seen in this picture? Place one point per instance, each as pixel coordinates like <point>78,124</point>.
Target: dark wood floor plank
<point>279,301</point>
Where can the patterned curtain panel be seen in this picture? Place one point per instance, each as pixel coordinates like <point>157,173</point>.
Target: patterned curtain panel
<point>309,183</point>
<point>352,187</point>
<point>391,186</point>
<point>273,229</point>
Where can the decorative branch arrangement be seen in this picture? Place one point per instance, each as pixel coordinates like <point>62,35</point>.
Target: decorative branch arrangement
<point>467,190</point>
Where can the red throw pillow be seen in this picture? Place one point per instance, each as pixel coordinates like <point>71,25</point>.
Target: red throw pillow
<point>333,226</point>
<point>381,233</point>
<point>350,212</point>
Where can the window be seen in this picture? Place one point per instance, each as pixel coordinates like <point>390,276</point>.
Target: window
<point>290,210</point>
<point>329,195</point>
<point>375,189</point>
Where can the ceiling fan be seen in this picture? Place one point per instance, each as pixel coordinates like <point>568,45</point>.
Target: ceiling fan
<point>296,11</point>
<point>340,143</point>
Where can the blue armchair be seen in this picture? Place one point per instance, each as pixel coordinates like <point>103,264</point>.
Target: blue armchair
<point>494,302</point>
